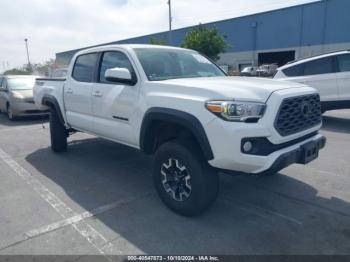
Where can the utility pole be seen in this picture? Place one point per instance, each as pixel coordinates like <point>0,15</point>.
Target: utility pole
<point>29,65</point>
<point>170,23</point>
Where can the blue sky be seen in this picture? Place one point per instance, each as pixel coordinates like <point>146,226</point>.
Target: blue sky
<point>58,25</point>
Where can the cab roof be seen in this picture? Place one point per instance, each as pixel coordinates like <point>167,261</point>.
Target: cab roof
<point>128,46</point>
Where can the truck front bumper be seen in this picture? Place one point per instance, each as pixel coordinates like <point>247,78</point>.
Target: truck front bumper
<point>272,151</point>
<point>300,153</point>
<point>303,154</point>
<point>226,143</point>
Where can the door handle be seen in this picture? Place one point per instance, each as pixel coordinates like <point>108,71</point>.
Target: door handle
<point>97,94</point>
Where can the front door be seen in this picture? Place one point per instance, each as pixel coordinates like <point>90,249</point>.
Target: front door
<point>114,105</point>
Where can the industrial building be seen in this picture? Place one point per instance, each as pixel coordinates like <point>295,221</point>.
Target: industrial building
<point>277,36</point>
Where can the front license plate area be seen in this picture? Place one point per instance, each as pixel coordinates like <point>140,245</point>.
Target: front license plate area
<point>309,152</point>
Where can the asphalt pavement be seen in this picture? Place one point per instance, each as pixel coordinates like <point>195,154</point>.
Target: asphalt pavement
<point>98,198</point>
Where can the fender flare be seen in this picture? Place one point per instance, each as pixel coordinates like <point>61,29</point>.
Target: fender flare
<point>176,117</point>
<point>51,101</point>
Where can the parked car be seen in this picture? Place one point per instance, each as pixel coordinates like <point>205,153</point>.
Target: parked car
<point>178,105</point>
<point>328,73</point>
<point>267,70</point>
<point>249,71</point>
<point>16,96</point>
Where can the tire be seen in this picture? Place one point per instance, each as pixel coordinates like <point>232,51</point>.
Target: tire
<point>199,183</point>
<point>58,133</point>
<point>9,113</point>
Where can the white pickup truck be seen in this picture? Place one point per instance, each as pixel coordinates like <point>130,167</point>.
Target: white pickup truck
<point>180,106</point>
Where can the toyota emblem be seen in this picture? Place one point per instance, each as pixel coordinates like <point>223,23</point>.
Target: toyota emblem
<point>305,109</point>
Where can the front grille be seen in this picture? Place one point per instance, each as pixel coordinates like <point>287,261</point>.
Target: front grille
<point>297,114</point>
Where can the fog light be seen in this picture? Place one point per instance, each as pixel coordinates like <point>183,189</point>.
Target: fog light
<point>247,146</point>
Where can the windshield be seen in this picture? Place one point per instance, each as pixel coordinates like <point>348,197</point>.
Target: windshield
<point>163,64</point>
<point>21,83</point>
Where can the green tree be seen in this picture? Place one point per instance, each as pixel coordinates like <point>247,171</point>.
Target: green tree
<point>208,41</point>
<point>156,41</point>
<point>16,71</point>
<point>44,69</point>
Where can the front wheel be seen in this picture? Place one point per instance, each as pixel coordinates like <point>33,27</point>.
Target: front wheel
<point>183,179</point>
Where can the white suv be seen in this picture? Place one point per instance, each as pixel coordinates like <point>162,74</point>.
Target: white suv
<point>329,74</point>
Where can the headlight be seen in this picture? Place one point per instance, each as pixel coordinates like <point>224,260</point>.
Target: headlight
<point>236,110</point>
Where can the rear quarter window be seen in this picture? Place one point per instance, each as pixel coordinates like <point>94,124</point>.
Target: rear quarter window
<point>296,70</point>
<point>84,68</point>
<point>319,66</point>
<point>344,63</point>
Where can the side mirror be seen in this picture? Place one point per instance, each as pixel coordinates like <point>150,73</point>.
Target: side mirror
<point>120,75</point>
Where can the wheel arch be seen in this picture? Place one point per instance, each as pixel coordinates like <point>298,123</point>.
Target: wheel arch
<point>52,103</point>
<point>173,117</point>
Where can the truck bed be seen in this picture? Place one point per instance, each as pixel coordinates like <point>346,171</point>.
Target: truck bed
<point>49,87</point>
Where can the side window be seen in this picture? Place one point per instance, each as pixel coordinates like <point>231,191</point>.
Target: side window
<point>111,60</point>
<point>296,70</point>
<point>344,63</point>
<point>84,68</point>
<point>319,66</point>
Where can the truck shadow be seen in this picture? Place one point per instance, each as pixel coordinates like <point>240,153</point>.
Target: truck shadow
<point>253,215</point>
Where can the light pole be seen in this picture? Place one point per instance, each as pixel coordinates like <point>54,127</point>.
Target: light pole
<point>29,65</point>
<point>170,23</point>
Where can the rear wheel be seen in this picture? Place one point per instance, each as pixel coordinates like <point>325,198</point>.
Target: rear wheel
<point>58,133</point>
<point>183,179</point>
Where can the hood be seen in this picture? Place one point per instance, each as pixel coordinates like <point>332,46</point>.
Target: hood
<point>24,94</point>
<point>238,88</point>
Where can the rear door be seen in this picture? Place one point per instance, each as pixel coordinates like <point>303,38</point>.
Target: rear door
<point>343,77</point>
<point>78,91</point>
<point>114,105</point>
